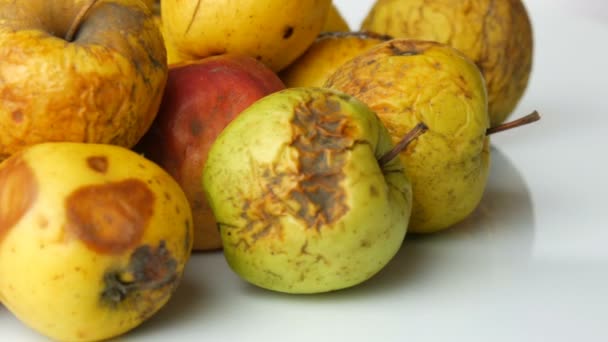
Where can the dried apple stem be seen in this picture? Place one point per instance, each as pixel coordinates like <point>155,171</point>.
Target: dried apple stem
<point>407,139</point>
<point>532,117</point>
<point>69,36</point>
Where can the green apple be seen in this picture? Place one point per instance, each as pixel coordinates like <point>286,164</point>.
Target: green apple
<point>302,203</point>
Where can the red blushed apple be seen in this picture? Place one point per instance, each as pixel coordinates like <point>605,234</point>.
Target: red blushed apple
<point>200,99</point>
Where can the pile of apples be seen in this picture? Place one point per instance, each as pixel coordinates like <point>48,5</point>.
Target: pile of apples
<point>133,132</point>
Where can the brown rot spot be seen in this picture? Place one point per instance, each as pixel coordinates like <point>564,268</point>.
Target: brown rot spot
<point>373,191</point>
<point>98,163</point>
<point>111,217</point>
<point>17,116</point>
<point>312,191</point>
<point>404,47</point>
<point>18,192</point>
<point>153,270</point>
<point>287,32</point>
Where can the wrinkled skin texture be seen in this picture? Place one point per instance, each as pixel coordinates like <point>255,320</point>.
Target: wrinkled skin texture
<point>329,51</point>
<point>200,99</point>
<point>335,22</point>
<point>275,32</point>
<point>103,87</point>
<point>93,239</point>
<point>496,35</point>
<point>407,82</point>
<point>301,201</point>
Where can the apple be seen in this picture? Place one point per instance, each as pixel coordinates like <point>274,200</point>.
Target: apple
<point>94,239</point>
<point>275,32</point>
<point>80,71</point>
<point>304,197</point>
<point>200,99</point>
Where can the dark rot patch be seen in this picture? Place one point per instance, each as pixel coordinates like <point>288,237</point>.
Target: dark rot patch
<point>111,217</point>
<point>288,32</point>
<point>408,47</point>
<point>311,193</point>
<point>149,269</point>
<point>98,163</point>
<point>18,192</point>
<point>320,134</point>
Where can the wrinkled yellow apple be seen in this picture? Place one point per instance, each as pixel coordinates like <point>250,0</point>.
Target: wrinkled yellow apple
<point>98,80</point>
<point>496,35</point>
<point>93,239</point>
<point>275,32</point>
<point>329,51</point>
<point>407,82</point>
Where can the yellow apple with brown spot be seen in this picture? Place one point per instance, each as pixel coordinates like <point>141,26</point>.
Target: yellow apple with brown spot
<point>78,70</point>
<point>275,32</point>
<point>93,239</point>
<point>303,196</point>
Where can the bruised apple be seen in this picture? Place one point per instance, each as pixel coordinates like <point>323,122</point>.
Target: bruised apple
<point>93,239</point>
<point>305,199</point>
<point>78,70</point>
<point>201,98</point>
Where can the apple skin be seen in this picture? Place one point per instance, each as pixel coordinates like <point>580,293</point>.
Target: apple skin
<point>200,99</point>
<point>104,86</point>
<point>275,32</point>
<point>302,202</point>
<point>94,239</point>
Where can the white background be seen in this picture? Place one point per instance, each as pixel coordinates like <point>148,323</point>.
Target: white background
<point>530,265</point>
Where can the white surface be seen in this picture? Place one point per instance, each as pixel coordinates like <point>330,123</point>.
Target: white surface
<point>530,265</point>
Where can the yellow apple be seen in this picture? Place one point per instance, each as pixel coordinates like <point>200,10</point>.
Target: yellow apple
<point>335,22</point>
<point>93,239</point>
<point>79,71</point>
<point>275,32</point>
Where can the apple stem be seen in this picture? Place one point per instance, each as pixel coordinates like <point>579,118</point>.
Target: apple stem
<point>69,36</point>
<point>405,141</point>
<point>532,117</point>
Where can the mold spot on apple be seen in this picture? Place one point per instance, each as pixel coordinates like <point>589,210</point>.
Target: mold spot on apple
<point>18,192</point>
<point>111,217</point>
<point>150,269</point>
<point>318,136</point>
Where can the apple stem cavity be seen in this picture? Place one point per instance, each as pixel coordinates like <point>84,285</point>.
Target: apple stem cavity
<point>532,117</point>
<point>401,145</point>
<point>69,36</point>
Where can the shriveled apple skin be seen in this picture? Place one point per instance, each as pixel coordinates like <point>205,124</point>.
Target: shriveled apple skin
<point>275,32</point>
<point>93,239</point>
<point>496,35</point>
<point>406,82</point>
<point>329,51</point>
<point>200,99</point>
<point>104,87</point>
<point>301,201</point>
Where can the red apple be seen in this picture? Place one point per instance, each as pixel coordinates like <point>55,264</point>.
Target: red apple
<point>201,98</point>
